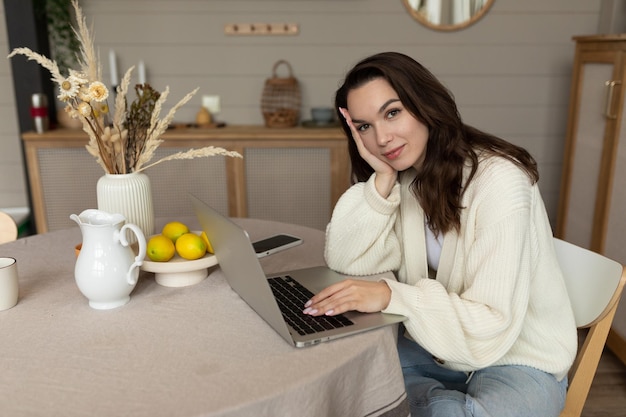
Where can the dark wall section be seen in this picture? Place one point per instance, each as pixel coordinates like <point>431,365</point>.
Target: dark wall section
<point>25,28</point>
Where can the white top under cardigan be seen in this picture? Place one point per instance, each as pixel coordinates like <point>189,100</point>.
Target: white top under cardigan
<point>498,297</point>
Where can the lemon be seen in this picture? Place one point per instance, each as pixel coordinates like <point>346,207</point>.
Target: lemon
<point>160,248</point>
<point>173,230</point>
<point>209,247</point>
<point>190,246</point>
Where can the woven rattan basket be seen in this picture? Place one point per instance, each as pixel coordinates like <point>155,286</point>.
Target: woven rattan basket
<point>281,98</point>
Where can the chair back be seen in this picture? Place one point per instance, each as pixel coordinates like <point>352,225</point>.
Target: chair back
<point>591,279</point>
<point>594,285</point>
<point>8,228</point>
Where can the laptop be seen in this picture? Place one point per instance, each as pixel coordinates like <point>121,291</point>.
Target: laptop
<point>264,294</point>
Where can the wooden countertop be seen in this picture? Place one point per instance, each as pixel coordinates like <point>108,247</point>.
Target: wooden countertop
<point>249,132</point>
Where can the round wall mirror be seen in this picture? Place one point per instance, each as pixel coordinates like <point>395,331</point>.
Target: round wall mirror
<point>447,14</point>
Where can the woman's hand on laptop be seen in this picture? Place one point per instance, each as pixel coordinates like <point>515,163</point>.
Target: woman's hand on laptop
<point>347,295</point>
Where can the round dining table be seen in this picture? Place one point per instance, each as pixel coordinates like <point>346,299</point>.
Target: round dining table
<point>197,350</point>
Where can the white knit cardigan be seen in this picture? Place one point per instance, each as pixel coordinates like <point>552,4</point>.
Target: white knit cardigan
<point>498,297</point>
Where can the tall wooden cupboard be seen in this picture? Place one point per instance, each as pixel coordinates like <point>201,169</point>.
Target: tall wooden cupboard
<point>592,206</point>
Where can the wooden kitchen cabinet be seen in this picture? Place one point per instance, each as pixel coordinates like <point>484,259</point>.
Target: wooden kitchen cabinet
<point>294,175</point>
<point>592,206</point>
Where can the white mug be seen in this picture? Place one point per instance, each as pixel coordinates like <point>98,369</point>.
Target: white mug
<point>9,288</point>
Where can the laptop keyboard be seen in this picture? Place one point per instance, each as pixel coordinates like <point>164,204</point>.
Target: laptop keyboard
<point>291,296</point>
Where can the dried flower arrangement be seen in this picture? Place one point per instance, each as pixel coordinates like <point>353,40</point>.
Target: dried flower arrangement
<point>126,142</point>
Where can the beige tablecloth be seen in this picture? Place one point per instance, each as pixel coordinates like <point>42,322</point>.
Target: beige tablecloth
<point>191,351</point>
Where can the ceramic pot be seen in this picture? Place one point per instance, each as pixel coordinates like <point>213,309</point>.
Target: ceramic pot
<point>64,120</point>
<point>129,195</point>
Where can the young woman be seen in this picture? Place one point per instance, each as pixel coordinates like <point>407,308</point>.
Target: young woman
<point>457,214</point>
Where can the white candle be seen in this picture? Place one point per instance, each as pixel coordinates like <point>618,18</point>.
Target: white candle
<point>141,71</point>
<point>113,68</point>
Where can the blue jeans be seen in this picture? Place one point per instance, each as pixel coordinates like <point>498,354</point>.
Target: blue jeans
<point>497,391</point>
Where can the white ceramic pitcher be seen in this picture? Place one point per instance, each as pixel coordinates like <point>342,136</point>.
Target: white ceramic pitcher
<point>107,269</point>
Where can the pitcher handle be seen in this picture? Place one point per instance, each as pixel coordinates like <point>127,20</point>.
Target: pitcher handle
<point>132,274</point>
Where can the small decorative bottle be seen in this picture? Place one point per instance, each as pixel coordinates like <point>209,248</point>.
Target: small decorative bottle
<point>39,112</point>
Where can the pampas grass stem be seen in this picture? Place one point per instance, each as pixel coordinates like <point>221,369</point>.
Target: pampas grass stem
<point>195,153</point>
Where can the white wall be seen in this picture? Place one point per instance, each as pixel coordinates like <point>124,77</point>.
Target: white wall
<point>510,72</point>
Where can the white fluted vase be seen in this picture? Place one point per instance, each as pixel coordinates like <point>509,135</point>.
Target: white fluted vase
<point>129,195</point>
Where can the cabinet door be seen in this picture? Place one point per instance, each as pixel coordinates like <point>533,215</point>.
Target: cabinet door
<point>68,178</point>
<point>64,193</point>
<point>588,155</point>
<point>615,240</point>
<point>291,185</point>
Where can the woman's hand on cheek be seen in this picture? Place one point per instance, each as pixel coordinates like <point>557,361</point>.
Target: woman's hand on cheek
<point>348,295</point>
<point>378,165</point>
<point>385,173</point>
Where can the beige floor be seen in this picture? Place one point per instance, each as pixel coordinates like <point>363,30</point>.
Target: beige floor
<point>607,397</point>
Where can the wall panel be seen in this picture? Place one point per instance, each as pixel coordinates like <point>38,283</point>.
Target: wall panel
<point>510,72</point>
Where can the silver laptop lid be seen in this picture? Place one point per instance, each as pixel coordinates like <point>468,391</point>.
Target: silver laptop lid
<point>240,264</point>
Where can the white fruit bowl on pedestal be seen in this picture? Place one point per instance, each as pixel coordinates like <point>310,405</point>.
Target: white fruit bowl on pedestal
<point>180,272</point>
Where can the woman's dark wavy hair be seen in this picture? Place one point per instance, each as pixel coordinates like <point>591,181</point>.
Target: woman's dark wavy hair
<point>451,143</point>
